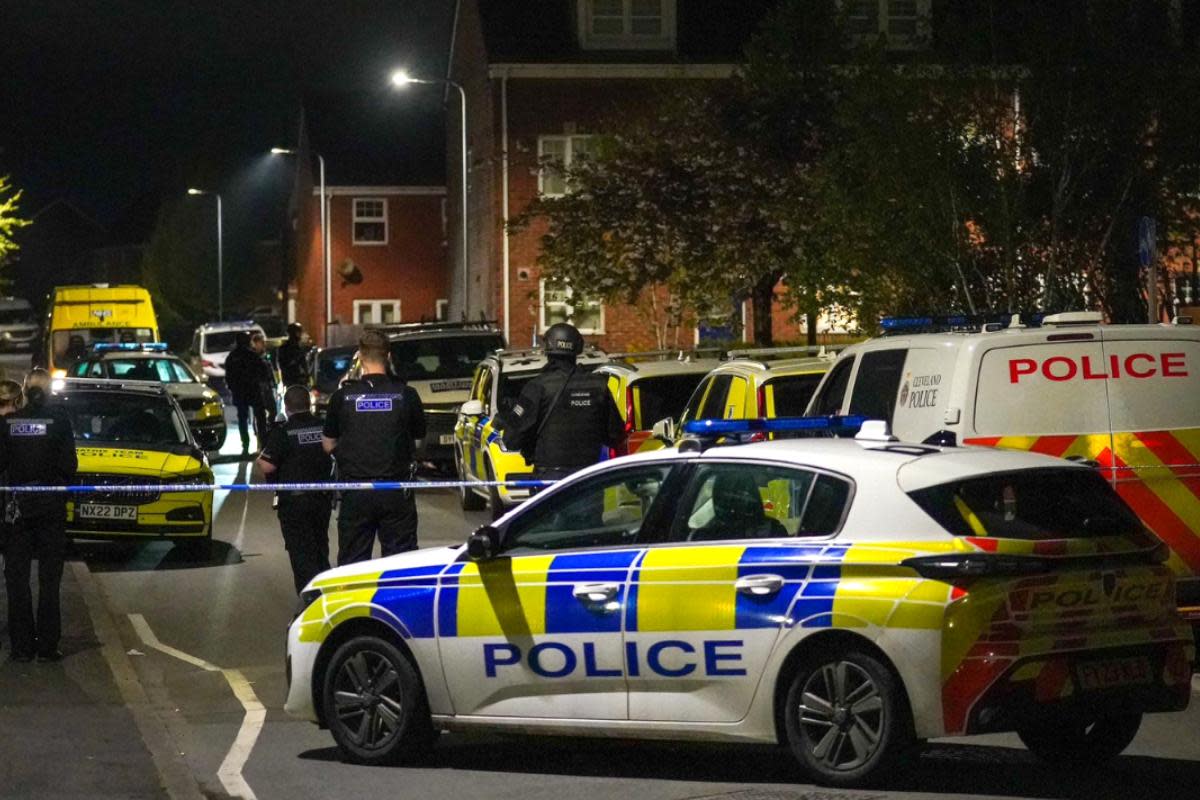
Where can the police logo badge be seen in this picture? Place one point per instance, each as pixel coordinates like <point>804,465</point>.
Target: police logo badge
<point>373,404</point>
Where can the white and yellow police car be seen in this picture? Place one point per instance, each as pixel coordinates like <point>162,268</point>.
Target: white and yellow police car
<point>845,598</point>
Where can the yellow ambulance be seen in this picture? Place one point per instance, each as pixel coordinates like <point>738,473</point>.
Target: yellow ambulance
<point>81,316</point>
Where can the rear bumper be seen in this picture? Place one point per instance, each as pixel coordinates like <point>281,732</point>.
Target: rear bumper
<point>1053,686</point>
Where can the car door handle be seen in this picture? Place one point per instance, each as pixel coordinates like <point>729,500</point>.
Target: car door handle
<point>759,585</point>
<point>595,592</point>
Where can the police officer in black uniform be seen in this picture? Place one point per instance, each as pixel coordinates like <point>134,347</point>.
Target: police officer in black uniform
<point>293,454</point>
<point>293,357</point>
<point>373,428</point>
<point>37,447</point>
<point>564,416</point>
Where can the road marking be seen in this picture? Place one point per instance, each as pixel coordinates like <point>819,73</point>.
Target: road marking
<point>230,771</point>
<point>164,749</point>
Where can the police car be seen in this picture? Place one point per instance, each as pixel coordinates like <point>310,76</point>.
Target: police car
<point>479,451</point>
<point>150,361</point>
<point>752,384</point>
<point>134,434</point>
<point>651,386</point>
<point>843,597</point>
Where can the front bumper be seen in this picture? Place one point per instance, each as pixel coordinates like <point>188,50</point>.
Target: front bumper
<point>439,434</point>
<point>182,515</point>
<point>301,658</point>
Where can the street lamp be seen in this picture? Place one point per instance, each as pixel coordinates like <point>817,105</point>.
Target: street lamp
<point>325,247</point>
<point>402,80</point>
<point>220,253</point>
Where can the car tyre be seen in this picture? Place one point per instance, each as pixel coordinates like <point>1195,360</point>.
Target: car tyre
<point>467,498</point>
<point>846,719</point>
<point>1075,742</point>
<point>375,705</point>
<point>495,504</point>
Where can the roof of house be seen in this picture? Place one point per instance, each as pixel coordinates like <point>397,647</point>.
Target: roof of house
<point>546,31</point>
<point>379,138</point>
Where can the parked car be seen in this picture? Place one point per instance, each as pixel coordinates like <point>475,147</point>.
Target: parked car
<point>212,343</point>
<point>18,324</point>
<point>201,405</point>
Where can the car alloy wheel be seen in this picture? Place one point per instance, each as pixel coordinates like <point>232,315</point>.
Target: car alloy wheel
<point>374,703</point>
<point>845,717</point>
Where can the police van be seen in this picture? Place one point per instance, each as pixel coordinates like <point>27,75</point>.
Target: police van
<point>1125,398</point>
<point>845,598</point>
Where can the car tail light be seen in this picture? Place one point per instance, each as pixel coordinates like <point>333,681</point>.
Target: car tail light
<point>629,411</point>
<point>206,363</point>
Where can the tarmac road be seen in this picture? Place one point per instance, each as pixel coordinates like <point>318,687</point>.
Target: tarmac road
<point>119,718</point>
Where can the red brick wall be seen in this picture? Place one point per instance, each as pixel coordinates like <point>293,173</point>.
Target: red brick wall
<point>411,267</point>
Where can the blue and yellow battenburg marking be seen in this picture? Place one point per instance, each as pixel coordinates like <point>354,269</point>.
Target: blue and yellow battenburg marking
<point>665,589</point>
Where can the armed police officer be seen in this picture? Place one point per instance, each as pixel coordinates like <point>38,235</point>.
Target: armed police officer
<point>564,416</point>
<point>373,429</point>
<point>293,357</point>
<point>37,447</point>
<point>293,453</point>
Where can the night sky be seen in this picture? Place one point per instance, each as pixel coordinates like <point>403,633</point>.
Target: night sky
<point>111,103</point>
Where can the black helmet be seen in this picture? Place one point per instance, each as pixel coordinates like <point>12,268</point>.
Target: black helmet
<point>563,339</point>
<point>295,328</point>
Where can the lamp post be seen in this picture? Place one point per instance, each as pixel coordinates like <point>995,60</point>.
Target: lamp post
<point>220,253</point>
<point>402,80</point>
<point>325,247</point>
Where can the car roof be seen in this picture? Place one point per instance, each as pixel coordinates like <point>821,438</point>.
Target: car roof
<point>1006,337</point>
<point>113,386</point>
<point>786,366</point>
<point>225,327</point>
<point>534,358</point>
<point>130,354</point>
<point>653,369</point>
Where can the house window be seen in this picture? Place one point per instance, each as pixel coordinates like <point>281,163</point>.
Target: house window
<point>556,154</point>
<point>370,220</point>
<point>903,22</point>
<point>627,24</point>
<point>376,312</point>
<point>561,303</point>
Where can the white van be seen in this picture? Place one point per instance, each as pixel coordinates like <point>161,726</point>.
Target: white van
<point>1126,397</point>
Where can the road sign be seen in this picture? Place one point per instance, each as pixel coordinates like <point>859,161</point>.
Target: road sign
<point>1147,240</point>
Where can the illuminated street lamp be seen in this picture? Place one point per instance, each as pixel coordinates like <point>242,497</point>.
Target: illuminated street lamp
<point>402,80</point>
<point>220,253</point>
<point>325,247</point>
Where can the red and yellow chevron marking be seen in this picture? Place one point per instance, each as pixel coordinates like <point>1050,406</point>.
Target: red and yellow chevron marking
<point>1154,471</point>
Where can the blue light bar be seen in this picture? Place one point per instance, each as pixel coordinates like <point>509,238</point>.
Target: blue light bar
<point>733,427</point>
<point>129,347</point>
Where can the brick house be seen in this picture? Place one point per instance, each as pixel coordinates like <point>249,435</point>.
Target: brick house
<point>386,203</point>
<point>541,76</point>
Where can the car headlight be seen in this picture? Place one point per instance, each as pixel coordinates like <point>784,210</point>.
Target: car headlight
<point>209,394</point>
<point>198,479</point>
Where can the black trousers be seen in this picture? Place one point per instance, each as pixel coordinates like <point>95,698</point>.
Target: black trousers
<point>390,515</point>
<point>304,520</point>
<point>244,410</point>
<point>40,533</point>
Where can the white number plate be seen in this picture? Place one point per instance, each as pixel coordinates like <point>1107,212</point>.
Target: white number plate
<point>106,512</point>
<point>446,438</point>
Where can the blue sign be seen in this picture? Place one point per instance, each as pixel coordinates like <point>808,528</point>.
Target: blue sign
<point>373,404</point>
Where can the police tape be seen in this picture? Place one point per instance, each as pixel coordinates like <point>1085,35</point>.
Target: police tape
<point>338,486</point>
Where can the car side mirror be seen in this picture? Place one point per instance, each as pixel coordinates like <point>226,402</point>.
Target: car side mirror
<point>472,408</point>
<point>483,543</point>
<point>664,430</point>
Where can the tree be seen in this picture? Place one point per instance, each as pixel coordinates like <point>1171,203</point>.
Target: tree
<point>10,222</point>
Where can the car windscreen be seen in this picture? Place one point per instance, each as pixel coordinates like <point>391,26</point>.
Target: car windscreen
<point>332,365</point>
<point>792,393</point>
<point>1033,505</point>
<point>73,344</point>
<point>221,342</point>
<point>448,357</point>
<point>135,421</point>
<point>665,396</point>
<point>16,316</point>
<point>163,370</point>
